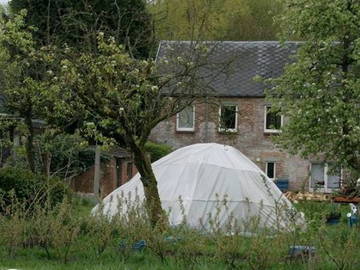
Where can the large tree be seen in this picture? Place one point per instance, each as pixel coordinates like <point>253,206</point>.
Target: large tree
<point>319,92</point>
<point>130,97</point>
<point>77,23</point>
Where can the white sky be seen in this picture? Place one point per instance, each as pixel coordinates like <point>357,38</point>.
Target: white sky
<point>3,1</point>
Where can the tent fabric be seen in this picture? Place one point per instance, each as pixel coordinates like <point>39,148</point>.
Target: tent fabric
<point>205,182</point>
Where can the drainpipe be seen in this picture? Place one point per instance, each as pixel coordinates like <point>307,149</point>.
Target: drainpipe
<point>206,118</point>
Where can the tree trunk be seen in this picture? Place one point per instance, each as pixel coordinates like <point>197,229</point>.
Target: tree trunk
<point>47,163</point>
<point>153,203</point>
<point>30,144</point>
<point>97,172</point>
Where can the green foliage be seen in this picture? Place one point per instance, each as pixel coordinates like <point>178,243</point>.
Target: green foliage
<point>319,93</point>
<point>77,23</point>
<point>58,238</point>
<point>215,20</point>
<point>30,189</point>
<point>157,150</point>
<point>68,155</point>
<point>126,97</point>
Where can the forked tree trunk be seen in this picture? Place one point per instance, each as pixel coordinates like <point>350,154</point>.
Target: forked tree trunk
<point>148,179</point>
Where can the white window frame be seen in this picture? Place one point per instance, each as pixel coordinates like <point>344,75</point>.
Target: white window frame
<point>266,107</point>
<point>266,170</point>
<point>236,118</point>
<point>182,128</point>
<point>325,189</point>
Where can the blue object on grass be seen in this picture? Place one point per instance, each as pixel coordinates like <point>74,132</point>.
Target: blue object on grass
<point>139,245</point>
<point>297,251</point>
<point>333,221</point>
<point>122,244</point>
<point>172,239</point>
<point>353,220</point>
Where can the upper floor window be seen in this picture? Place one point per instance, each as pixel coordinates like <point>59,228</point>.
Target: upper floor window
<point>273,121</point>
<point>185,120</point>
<point>228,117</point>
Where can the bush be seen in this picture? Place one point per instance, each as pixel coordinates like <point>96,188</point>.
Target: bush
<point>157,150</point>
<point>29,188</point>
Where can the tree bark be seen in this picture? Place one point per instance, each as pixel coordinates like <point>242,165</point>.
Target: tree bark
<point>30,153</point>
<point>148,179</point>
<point>97,172</point>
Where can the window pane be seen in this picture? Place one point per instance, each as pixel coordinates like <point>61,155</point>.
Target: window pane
<point>273,120</point>
<point>186,118</point>
<point>333,180</point>
<point>317,175</point>
<point>228,117</point>
<point>270,170</point>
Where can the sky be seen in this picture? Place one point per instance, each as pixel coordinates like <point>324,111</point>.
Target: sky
<point>3,1</point>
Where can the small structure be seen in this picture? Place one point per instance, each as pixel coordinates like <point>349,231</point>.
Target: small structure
<point>113,169</point>
<point>208,185</point>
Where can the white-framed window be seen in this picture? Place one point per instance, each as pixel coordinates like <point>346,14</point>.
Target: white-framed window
<point>185,120</point>
<point>323,177</point>
<point>271,170</point>
<point>272,121</point>
<point>228,118</point>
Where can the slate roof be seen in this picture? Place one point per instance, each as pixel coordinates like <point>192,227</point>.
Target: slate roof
<point>246,59</point>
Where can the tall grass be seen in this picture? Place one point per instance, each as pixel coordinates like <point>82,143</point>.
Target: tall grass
<point>61,238</point>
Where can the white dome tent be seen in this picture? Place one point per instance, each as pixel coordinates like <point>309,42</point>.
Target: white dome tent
<point>202,175</point>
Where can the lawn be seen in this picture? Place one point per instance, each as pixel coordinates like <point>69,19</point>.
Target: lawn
<point>101,245</point>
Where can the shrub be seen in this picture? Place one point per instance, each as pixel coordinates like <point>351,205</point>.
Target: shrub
<point>30,188</point>
<point>157,150</point>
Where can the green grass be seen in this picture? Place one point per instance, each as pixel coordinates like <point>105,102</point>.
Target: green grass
<point>337,247</point>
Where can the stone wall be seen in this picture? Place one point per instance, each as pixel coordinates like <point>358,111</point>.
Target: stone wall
<point>250,138</point>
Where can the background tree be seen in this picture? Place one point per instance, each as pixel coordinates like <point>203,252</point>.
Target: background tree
<point>26,74</point>
<point>319,93</point>
<point>215,19</point>
<point>77,23</point>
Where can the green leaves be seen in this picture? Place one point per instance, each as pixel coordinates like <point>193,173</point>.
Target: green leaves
<point>319,93</point>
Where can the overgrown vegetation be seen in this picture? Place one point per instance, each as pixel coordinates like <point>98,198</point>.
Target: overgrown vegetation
<point>157,150</point>
<point>28,188</point>
<point>68,237</point>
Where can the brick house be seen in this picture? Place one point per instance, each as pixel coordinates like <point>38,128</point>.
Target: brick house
<point>116,168</point>
<point>240,117</point>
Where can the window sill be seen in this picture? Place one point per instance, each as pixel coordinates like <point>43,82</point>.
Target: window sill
<point>228,131</point>
<point>272,131</point>
<point>185,131</point>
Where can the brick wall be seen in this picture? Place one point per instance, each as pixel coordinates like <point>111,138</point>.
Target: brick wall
<point>250,138</point>
<point>109,180</point>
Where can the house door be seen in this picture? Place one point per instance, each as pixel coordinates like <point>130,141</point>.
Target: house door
<point>323,179</point>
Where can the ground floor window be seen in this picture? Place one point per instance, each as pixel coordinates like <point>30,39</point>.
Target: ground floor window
<point>271,170</point>
<point>324,177</point>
